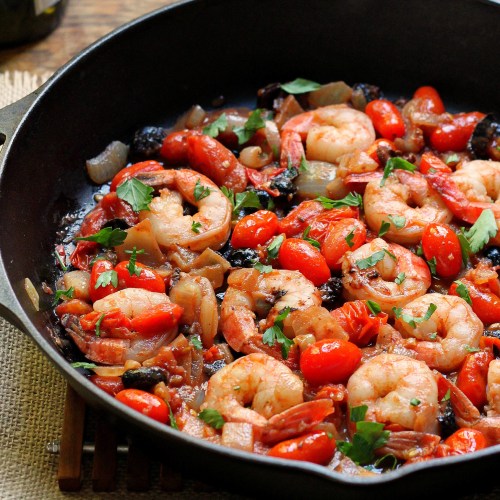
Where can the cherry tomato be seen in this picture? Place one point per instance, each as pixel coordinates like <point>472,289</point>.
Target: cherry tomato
<point>455,135</point>
<point>329,361</point>
<point>113,322</point>
<point>432,99</point>
<point>439,241</point>
<point>430,161</point>
<point>148,404</point>
<point>111,385</point>
<point>148,279</point>
<point>175,149</point>
<point>97,291</point>
<point>157,319</point>
<point>380,145</point>
<point>298,218</point>
<point>486,342</point>
<point>473,375</point>
<point>299,255</point>
<point>316,447</point>
<point>341,237</point>
<point>386,118</point>
<point>359,322</point>
<point>465,440</point>
<point>73,306</point>
<point>129,172</point>
<point>319,224</point>
<point>255,229</point>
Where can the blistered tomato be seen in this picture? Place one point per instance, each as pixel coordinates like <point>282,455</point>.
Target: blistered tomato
<point>440,242</point>
<point>386,118</point>
<point>143,277</point>
<point>148,404</point>
<point>97,288</point>
<point>316,447</point>
<point>254,229</point>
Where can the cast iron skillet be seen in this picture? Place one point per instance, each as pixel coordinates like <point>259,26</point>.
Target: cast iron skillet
<point>153,69</point>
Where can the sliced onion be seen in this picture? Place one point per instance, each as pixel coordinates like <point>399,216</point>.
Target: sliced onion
<point>331,93</point>
<point>238,435</point>
<point>192,118</point>
<point>32,293</point>
<point>80,282</point>
<point>254,157</point>
<point>273,137</point>
<point>212,266</point>
<point>312,182</point>
<point>103,167</point>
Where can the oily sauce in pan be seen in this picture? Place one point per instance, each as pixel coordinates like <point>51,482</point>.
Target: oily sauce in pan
<point>313,279</point>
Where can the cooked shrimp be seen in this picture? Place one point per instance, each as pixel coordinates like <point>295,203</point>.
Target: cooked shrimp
<point>329,133</point>
<point>259,390</point>
<point>209,227</point>
<point>250,292</point>
<point>446,335</point>
<point>408,197</point>
<point>377,282</point>
<point>388,383</point>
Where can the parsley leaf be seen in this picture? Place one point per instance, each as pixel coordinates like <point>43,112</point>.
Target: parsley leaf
<point>60,260</point>
<point>398,221</point>
<point>200,191</point>
<point>349,238</point>
<point>98,325</point>
<point>415,401</point>
<point>107,237</point>
<point>396,163</point>
<point>212,417</point>
<point>373,306</point>
<point>136,193</point>
<point>357,413</point>
<point>432,265</point>
<point>482,230</point>
<point>304,166</point>
<point>84,364</point>
<point>300,86</point>
<point>254,123</point>
<point>411,320</point>
<point>464,246</point>
<point>63,293</point>
<point>131,267</point>
<point>351,200</point>
<point>384,227</point>
<point>400,278</point>
<point>275,333</point>
<point>274,247</point>
<point>468,348</point>
<point>107,278</point>
<point>262,268</point>
<point>463,292</point>
<point>173,422</point>
<point>374,258</point>
<point>454,158</point>
<point>195,341</point>
<point>247,199</point>
<point>217,126</point>
<point>447,396</point>
<point>195,227</point>
<point>305,237</point>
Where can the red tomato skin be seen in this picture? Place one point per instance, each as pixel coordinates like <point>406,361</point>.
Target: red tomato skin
<point>98,268</point>
<point>299,255</point>
<point>320,223</point>
<point>329,361</point>
<point>255,229</point>
<point>74,306</point>
<point>157,319</point>
<point>473,376</point>
<point>149,279</point>
<point>335,245</point>
<point>174,148</point>
<point>430,161</point>
<point>298,219</point>
<point>464,441</point>
<point>113,323</point>
<point>316,447</point>
<point>129,172</point>
<point>111,385</point>
<point>454,136</point>
<point>441,242</point>
<point>386,118</point>
<point>430,95</point>
<point>148,404</point>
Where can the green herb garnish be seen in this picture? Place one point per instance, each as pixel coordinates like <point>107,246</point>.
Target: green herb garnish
<point>200,191</point>
<point>262,268</point>
<point>195,227</point>
<point>195,341</point>
<point>247,199</point>
<point>398,221</point>
<point>135,192</point>
<point>275,333</point>
<point>84,364</point>
<point>255,122</point>
<point>107,237</point>
<point>373,306</point>
<point>131,266</point>
<point>63,293</point>
<point>98,325</point>
<point>432,263</point>
<point>60,260</point>
<point>173,423</point>
<point>357,413</point>
<point>300,86</point>
<point>447,396</point>
<point>396,163</point>
<point>384,227</point>
<point>304,166</point>
<point>351,200</point>
<point>212,417</point>
<point>107,278</point>
<point>463,292</point>
<point>374,258</point>
<point>305,237</point>
<point>415,401</point>
<point>470,349</point>
<point>349,238</point>
<point>412,320</point>
<point>482,230</point>
<point>217,126</point>
<point>400,278</point>
<point>274,247</point>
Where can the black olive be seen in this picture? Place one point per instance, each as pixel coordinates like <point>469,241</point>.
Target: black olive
<point>267,95</point>
<point>370,92</point>
<point>447,421</point>
<point>493,253</point>
<point>486,131</point>
<point>144,378</point>
<point>243,257</point>
<point>147,141</point>
<point>116,224</point>
<point>211,368</point>
<point>331,291</point>
<point>284,182</point>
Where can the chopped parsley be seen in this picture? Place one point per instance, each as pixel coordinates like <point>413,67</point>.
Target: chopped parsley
<point>349,238</point>
<point>107,278</point>
<point>84,364</point>
<point>98,325</point>
<point>447,396</point>
<point>305,237</point>
<point>300,86</point>
<point>304,166</point>
<point>398,221</point>
<point>63,293</point>
<point>400,278</point>
<point>275,334</point>
<point>482,230</point>
<point>351,200</point>
<point>131,266</point>
<point>454,158</point>
<point>107,237</point>
<point>274,247</point>
<point>412,320</point>
<point>255,122</point>
<point>217,126</point>
<point>247,199</point>
<point>384,227</point>
<point>373,306</point>
<point>60,260</point>
<point>373,259</point>
<point>262,268</point>
<point>195,227</point>
<point>396,163</point>
<point>200,191</point>
<point>195,341</point>
<point>212,417</point>
<point>463,292</point>
<point>470,349</point>
<point>464,246</point>
<point>415,401</point>
<point>173,422</point>
<point>135,192</point>
<point>432,265</point>
<point>357,413</point>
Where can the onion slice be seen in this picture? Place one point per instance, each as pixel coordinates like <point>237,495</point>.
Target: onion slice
<point>103,167</point>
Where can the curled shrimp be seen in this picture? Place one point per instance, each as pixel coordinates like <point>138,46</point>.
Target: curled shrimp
<point>329,133</point>
<point>260,390</point>
<point>388,383</point>
<point>447,335</point>
<point>267,294</point>
<point>409,197</point>
<point>377,282</point>
<point>208,228</point>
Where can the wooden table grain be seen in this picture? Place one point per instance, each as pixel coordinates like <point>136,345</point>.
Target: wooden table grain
<point>84,22</point>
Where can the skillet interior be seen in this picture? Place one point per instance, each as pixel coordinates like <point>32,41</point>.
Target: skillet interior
<point>152,70</point>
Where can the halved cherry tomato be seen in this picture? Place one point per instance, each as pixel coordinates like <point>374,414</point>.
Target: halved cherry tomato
<point>113,322</point>
<point>157,319</point>
<point>433,101</point>
<point>316,447</point>
<point>473,376</point>
<point>97,291</point>
<point>148,404</point>
<point>430,161</point>
<point>329,361</point>
<point>174,148</point>
<point>299,218</point>
<point>148,279</point>
<point>380,145</point>
<point>386,118</point>
<point>455,135</point>
<point>111,385</point>
<point>319,224</point>
<point>439,241</point>
<point>129,172</point>
<point>73,306</point>
<point>359,322</point>
<point>299,255</point>
<point>255,229</point>
<point>464,441</point>
<point>341,237</point>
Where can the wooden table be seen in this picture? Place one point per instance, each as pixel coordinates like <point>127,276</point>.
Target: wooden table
<point>84,22</point>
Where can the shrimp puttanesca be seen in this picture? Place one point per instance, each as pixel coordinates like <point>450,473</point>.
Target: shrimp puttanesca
<point>259,390</point>
<point>447,335</point>
<point>388,383</point>
<point>371,272</point>
<point>329,133</point>
<point>409,197</point>
<point>208,228</point>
